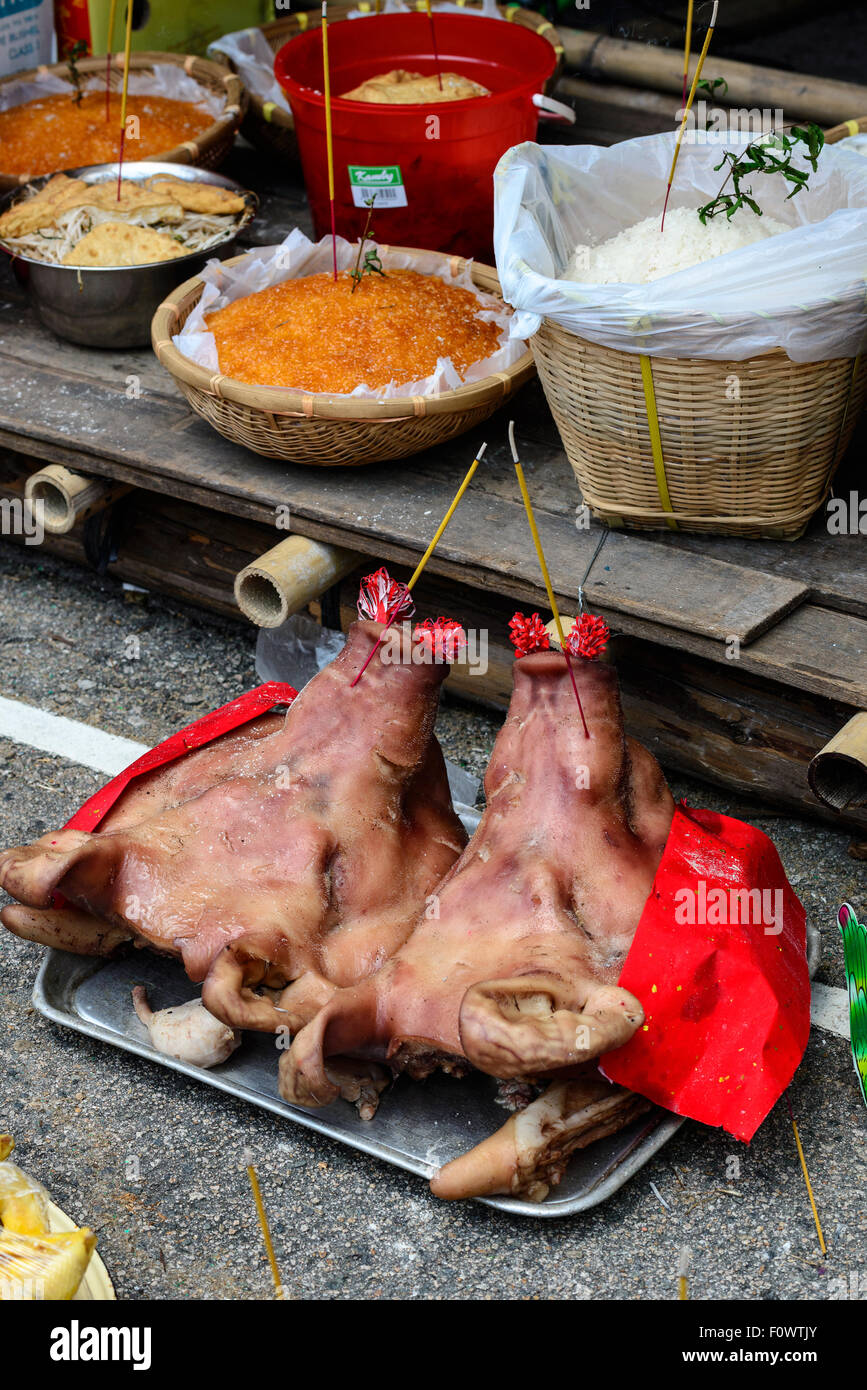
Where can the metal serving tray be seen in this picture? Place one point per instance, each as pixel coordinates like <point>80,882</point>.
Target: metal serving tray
<point>417,1127</point>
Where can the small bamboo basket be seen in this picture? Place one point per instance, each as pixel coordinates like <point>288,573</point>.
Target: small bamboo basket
<point>729,448</point>
<point>272,129</point>
<point>331,430</point>
<point>209,149</point>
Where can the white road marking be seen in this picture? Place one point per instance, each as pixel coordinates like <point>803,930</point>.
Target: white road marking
<point>108,753</point>
<point>67,738</point>
<point>830,1009</point>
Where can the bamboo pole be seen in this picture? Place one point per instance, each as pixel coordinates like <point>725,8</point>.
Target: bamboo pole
<point>288,577</point>
<point>838,773</point>
<point>68,498</point>
<point>824,100</point>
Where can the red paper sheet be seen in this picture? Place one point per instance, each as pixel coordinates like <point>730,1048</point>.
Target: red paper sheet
<point>220,721</point>
<point>726,1002</point>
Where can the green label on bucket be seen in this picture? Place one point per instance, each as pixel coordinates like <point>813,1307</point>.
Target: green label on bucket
<point>377,185</point>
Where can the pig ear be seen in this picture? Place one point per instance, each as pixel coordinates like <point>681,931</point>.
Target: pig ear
<point>31,873</point>
<point>532,1024</point>
<point>227,992</point>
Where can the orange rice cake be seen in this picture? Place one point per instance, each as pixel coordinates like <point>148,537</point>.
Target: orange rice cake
<point>315,334</point>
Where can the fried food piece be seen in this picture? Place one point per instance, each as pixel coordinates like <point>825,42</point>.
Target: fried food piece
<point>136,200</point>
<point>43,209</point>
<point>119,243</point>
<point>399,87</point>
<point>198,197</point>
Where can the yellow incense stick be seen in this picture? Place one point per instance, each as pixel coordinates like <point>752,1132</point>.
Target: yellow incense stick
<point>109,43</point>
<point>429,552</point>
<point>822,1245</point>
<point>682,1268</point>
<point>126,51</point>
<point>534,531</point>
<point>329,145</point>
<point>692,91</point>
<point>447,518</point>
<point>686,47</point>
<point>433,39</point>
<point>266,1230</point>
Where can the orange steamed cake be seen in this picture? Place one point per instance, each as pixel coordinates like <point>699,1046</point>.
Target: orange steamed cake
<point>53,132</point>
<point>314,334</point>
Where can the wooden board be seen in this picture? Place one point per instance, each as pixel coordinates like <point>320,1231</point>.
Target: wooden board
<point>77,411</point>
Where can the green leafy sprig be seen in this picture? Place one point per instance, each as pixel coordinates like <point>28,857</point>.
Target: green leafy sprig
<point>712,84</point>
<point>769,154</point>
<point>78,50</point>
<point>371,265</point>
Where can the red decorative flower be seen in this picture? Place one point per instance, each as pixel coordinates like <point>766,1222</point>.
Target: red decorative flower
<point>528,635</point>
<point>588,636</point>
<point>382,598</point>
<point>443,635</point>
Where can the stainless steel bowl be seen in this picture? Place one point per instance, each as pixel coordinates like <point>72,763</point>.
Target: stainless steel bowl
<point>112,307</point>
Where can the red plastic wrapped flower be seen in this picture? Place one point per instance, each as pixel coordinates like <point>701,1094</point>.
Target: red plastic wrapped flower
<point>382,598</point>
<point>588,636</point>
<point>443,635</point>
<point>528,635</point>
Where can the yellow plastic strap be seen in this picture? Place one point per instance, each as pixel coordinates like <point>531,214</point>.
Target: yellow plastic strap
<point>853,127</point>
<point>655,439</point>
<point>853,377</point>
<point>268,110</point>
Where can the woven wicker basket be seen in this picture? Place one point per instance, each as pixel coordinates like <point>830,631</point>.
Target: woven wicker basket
<point>744,449</point>
<point>210,148</point>
<point>839,132</point>
<point>330,430</point>
<point>273,130</point>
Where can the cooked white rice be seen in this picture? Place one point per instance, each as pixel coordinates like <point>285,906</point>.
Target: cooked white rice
<point>642,253</point>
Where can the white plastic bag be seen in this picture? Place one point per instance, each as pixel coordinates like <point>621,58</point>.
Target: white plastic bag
<point>803,290</point>
<point>253,59</point>
<point>856,143</point>
<point>165,80</point>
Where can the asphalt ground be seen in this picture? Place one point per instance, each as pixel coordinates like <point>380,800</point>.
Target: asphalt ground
<point>346,1226</point>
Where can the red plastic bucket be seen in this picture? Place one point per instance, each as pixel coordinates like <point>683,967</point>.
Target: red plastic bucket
<point>431,165</point>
